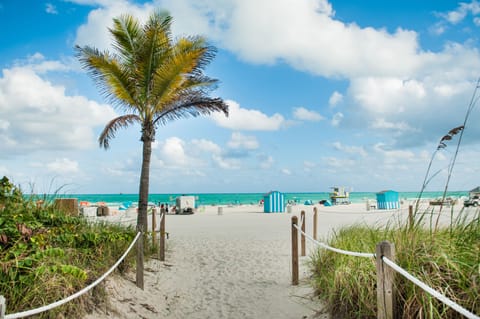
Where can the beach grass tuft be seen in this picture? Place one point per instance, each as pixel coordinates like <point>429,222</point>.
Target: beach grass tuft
<point>445,258</point>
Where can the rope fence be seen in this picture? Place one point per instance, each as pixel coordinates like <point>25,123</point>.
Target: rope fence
<point>51,306</point>
<point>75,295</point>
<point>385,254</point>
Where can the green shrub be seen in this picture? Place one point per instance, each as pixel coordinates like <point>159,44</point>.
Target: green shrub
<point>46,255</point>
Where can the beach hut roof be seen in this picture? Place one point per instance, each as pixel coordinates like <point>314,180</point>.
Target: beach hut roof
<point>271,192</point>
<point>387,191</point>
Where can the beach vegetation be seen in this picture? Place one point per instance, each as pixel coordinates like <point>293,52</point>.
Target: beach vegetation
<point>47,255</point>
<point>446,260</point>
<point>445,255</point>
<point>152,79</point>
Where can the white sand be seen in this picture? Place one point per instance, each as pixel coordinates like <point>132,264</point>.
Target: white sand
<point>234,265</point>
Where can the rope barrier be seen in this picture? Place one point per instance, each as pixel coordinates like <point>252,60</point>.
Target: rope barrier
<point>340,251</point>
<point>450,303</point>
<point>75,295</point>
<point>431,291</point>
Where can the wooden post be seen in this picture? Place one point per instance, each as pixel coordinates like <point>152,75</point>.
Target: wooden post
<point>154,227</point>
<point>302,242</point>
<point>315,223</point>
<point>162,236</point>
<point>139,279</point>
<point>294,251</point>
<point>410,216</point>
<point>3,307</point>
<point>385,280</point>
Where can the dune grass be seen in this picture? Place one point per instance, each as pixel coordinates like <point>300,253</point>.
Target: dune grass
<point>445,258</point>
<point>46,255</point>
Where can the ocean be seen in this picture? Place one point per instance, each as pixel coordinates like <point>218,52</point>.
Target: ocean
<point>243,198</point>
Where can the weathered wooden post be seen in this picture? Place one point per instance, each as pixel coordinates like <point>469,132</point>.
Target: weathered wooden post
<point>140,259</point>
<point>302,242</point>
<point>294,251</point>
<point>154,227</point>
<point>2,307</point>
<point>385,280</point>
<point>162,235</point>
<point>315,223</point>
<point>410,216</point>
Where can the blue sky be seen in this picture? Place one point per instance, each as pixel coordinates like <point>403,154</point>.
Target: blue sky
<point>321,93</point>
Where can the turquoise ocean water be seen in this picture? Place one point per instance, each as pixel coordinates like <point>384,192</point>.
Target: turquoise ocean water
<point>244,198</point>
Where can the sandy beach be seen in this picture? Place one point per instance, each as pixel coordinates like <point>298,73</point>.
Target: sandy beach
<point>236,264</point>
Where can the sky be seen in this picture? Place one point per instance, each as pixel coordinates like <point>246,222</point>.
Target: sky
<point>320,93</point>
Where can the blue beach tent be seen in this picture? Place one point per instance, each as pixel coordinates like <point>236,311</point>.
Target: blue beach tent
<point>388,200</point>
<point>274,202</point>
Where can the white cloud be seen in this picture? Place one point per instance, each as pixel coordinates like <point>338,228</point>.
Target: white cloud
<point>386,95</point>
<point>286,171</point>
<point>240,141</point>
<point>39,115</point>
<point>247,119</point>
<point>335,99</point>
<point>50,8</point>
<point>337,118</point>
<point>224,163</point>
<point>359,150</point>
<point>339,49</point>
<point>206,146</point>
<point>301,113</point>
<point>394,156</point>
<point>464,8</point>
<point>172,152</point>
<point>382,124</point>
<point>63,166</point>
<point>336,163</point>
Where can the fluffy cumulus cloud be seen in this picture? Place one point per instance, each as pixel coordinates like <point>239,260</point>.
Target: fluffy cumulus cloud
<point>335,99</point>
<point>63,166</point>
<point>186,157</point>
<point>303,114</point>
<point>240,141</point>
<point>463,9</point>
<point>240,26</point>
<point>38,115</point>
<point>50,8</point>
<point>241,119</point>
<point>356,150</point>
<point>173,153</point>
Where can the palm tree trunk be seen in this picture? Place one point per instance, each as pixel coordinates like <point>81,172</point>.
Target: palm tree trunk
<point>144,185</point>
<point>142,224</point>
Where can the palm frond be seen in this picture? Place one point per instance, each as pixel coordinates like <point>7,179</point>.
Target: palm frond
<point>126,31</point>
<point>155,48</point>
<point>191,107</point>
<point>182,74</point>
<point>113,126</point>
<point>113,80</point>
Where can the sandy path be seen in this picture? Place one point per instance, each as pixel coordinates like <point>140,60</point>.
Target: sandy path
<point>236,265</point>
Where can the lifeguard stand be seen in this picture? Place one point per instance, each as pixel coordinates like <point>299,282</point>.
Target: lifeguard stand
<point>339,195</point>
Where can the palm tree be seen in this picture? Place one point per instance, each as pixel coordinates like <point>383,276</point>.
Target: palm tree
<point>153,79</point>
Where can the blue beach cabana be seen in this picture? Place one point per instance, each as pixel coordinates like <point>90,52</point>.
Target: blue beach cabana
<point>388,200</point>
<point>274,202</point>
